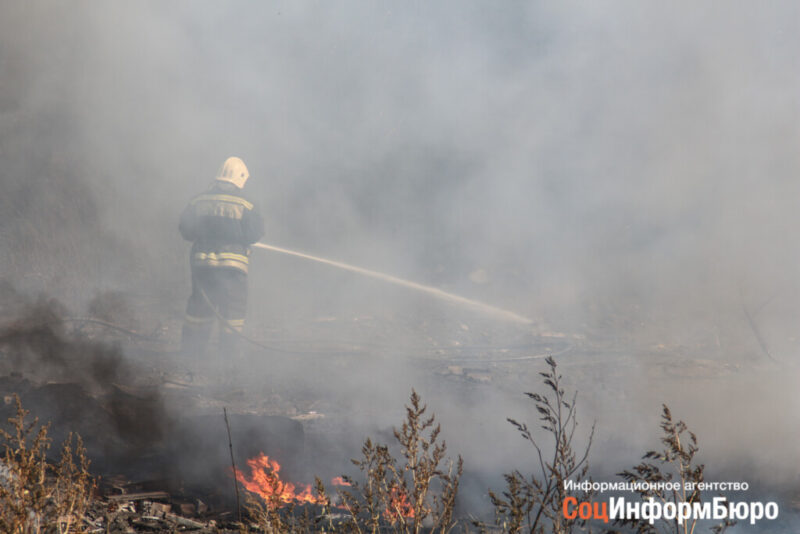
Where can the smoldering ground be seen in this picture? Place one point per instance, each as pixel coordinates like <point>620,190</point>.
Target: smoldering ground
<point>74,382</point>
<point>625,174</point>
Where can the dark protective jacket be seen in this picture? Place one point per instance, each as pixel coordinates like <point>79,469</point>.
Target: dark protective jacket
<point>222,223</point>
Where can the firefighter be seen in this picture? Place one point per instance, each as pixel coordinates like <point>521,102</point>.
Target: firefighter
<point>221,223</point>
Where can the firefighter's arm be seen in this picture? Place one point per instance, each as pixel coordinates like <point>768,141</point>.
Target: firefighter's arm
<point>252,226</point>
<point>188,224</point>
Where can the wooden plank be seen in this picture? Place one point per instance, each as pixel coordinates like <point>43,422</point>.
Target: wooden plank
<point>139,496</point>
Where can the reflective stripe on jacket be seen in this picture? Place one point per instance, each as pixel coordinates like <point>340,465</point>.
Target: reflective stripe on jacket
<point>222,223</point>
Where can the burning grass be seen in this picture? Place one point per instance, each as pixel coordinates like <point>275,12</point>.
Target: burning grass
<point>412,493</point>
<point>265,481</point>
<point>402,495</point>
<point>409,486</point>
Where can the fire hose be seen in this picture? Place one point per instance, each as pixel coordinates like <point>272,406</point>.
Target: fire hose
<point>438,293</point>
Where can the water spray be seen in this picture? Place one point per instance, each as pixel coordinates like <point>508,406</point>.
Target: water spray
<point>438,293</point>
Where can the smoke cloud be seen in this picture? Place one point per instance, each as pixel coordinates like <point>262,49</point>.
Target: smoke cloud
<point>623,174</point>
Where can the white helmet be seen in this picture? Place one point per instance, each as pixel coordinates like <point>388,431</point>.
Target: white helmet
<point>234,171</point>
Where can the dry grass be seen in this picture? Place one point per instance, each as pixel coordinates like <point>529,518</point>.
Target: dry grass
<point>675,462</point>
<point>533,503</point>
<point>413,493</point>
<point>36,497</point>
<point>276,517</point>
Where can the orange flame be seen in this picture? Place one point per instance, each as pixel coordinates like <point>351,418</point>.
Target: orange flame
<point>399,505</point>
<point>265,481</point>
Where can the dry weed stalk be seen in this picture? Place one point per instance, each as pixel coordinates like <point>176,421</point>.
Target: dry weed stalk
<point>35,497</point>
<point>675,462</point>
<point>270,517</point>
<point>533,504</point>
<point>413,494</point>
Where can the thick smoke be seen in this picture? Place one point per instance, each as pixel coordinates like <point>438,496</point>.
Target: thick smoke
<point>581,159</point>
<point>624,174</point>
<point>74,381</point>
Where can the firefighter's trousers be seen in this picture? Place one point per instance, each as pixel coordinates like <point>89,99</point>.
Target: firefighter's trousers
<point>218,293</point>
